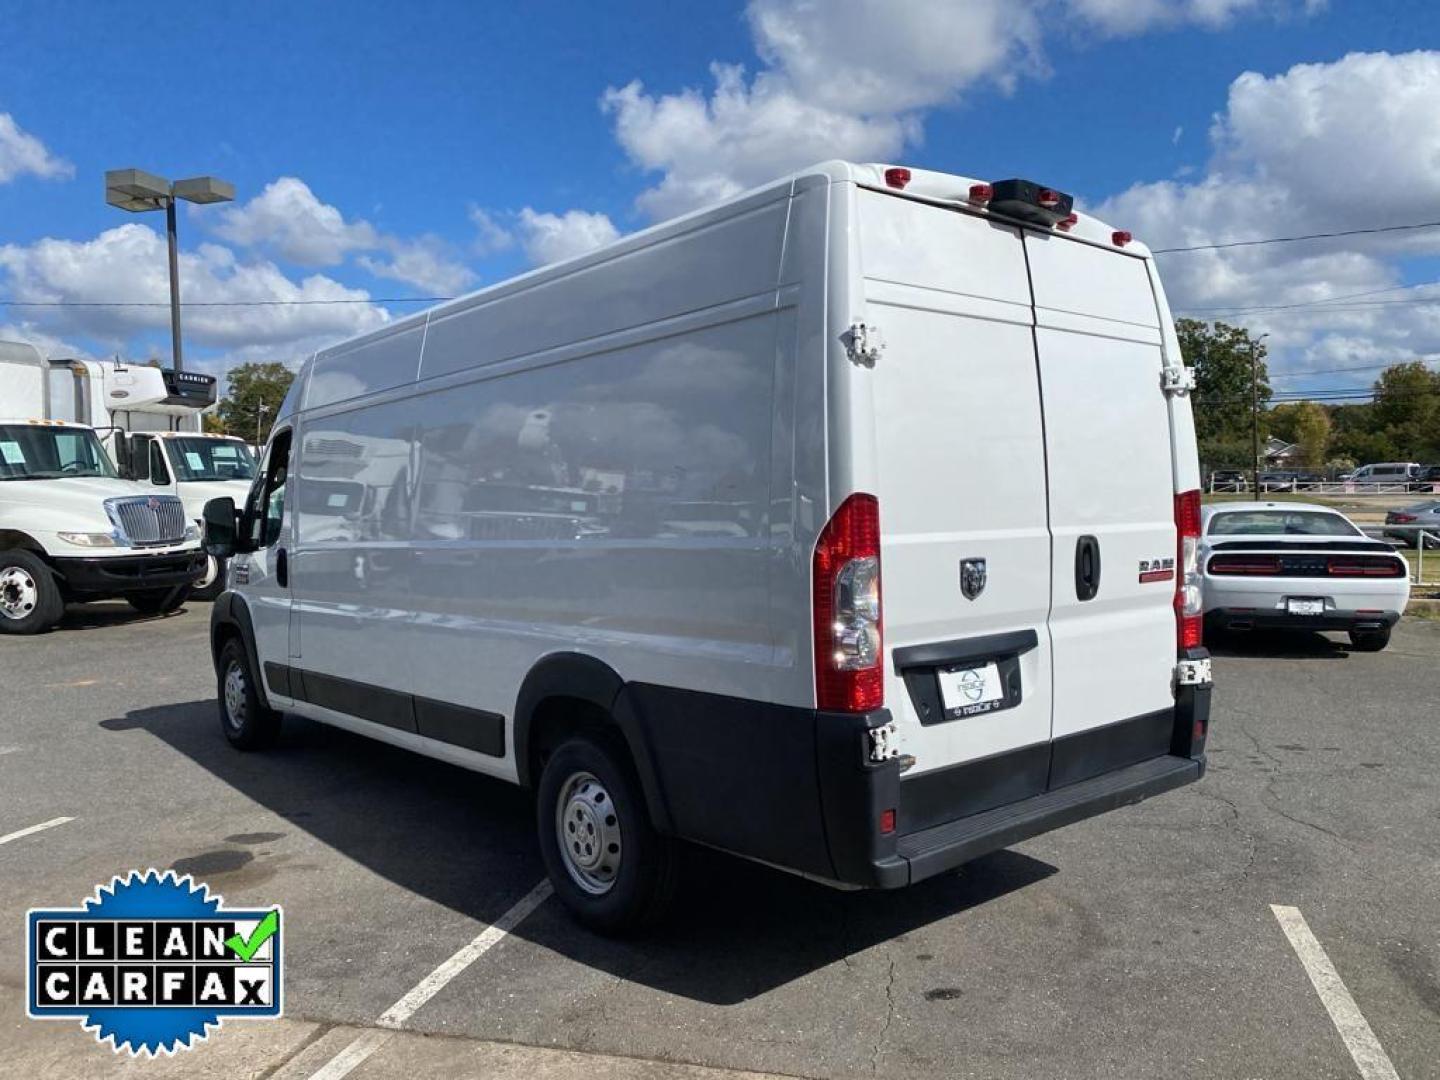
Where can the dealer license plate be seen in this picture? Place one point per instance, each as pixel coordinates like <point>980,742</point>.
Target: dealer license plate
<point>1305,607</point>
<point>971,691</point>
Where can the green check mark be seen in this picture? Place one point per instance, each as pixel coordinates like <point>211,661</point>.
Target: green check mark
<point>246,948</point>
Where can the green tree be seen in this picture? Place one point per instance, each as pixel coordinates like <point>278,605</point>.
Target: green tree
<point>253,398</point>
<point>1220,355</point>
<point>1407,410</point>
<point>1311,433</point>
<point>1283,421</point>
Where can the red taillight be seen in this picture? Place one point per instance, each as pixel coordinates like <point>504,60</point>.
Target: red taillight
<point>849,666</point>
<point>981,193</point>
<point>1401,519</point>
<point>1364,566</point>
<point>897,177</point>
<point>1244,564</point>
<point>887,822</point>
<point>1047,199</point>
<point>1120,238</point>
<point>1068,223</point>
<point>1189,606</point>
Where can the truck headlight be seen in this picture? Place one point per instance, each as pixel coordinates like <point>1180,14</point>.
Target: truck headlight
<point>83,539</point>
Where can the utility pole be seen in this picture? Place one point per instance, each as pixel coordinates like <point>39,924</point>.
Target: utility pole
<point>1255,412</point>
<point>260,411</point>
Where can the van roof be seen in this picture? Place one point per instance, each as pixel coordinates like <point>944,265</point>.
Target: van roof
<point>923,185</point>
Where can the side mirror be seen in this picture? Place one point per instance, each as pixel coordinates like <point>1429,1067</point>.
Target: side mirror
<point>220,530</point>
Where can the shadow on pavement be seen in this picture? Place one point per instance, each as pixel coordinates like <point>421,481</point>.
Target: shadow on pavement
<point>443,832</point>
<point>1276,645</point>
<point>108,613</point>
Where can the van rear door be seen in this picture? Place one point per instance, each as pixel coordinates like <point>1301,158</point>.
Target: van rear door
<point>960,456</point>
<point>1112,506</point>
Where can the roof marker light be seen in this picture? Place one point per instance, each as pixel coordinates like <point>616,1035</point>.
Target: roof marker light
<point>1066,224</point>
<point>1120,238</point>
<point>981,193</point>
<point>897,177</point>
<point>1048,199</point>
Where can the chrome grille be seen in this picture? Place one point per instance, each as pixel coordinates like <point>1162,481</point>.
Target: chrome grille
<point>148,520</point>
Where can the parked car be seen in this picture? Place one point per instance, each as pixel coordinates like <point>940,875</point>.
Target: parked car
<point>1398,473</point>
<point>705,651</point>
<point>1428,478</point>
<point>1422,515</point>
<point>1298,566</point>
<point>1229,480</point>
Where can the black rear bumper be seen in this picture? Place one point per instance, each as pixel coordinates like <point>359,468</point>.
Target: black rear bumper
<point>797,788</point>
<point>98,578</point>
<point>1243,619</point>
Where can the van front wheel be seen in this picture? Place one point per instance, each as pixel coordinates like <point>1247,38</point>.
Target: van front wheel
<point>606,861</point>
<point>244,719</point>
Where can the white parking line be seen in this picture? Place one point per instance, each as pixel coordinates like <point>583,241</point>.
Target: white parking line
<point>34,829</point>
<point>8,750</point>
<point>1370,1057</point>
<point>365,1045</point>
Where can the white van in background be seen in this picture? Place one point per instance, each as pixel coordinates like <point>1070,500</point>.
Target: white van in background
<point>1398,473</point>
<point>849,526</point>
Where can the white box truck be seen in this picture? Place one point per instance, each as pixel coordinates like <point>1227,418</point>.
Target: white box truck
<point>70,528</point>
<point>848,526</point>
<point>149,418</point>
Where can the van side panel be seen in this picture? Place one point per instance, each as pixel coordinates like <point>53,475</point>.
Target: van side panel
<point>617,504</point>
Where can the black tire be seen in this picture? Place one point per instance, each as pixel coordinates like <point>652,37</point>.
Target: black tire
<point>244,719</point>
<point>1370,640</point>
<point>158,601</point>
<point>211,590</point>
<point>638,891</point>
<point>30,600</point>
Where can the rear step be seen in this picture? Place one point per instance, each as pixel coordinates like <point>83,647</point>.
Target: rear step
<point>946,846</point>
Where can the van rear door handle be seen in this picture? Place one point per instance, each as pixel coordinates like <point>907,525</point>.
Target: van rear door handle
<point>282,568</point>
<point>1087,568</point>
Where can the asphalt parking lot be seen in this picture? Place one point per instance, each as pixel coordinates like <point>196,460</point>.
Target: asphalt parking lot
<point>1139,944</point>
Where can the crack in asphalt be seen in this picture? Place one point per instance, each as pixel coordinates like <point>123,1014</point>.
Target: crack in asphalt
<point>889,1019</point>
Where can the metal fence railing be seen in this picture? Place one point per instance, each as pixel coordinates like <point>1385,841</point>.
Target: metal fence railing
<point>1219,484</point>
<point>1420,537</point>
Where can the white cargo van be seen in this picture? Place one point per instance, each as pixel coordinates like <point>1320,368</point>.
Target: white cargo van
<point>848,526</point>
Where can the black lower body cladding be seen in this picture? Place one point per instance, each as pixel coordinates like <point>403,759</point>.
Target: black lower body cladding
<point>796,787</point>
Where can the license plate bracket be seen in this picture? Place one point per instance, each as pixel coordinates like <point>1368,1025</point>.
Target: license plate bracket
<point>979,687</point>
<point>1304,605</point>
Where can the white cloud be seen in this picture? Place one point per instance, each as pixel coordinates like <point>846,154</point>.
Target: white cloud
<point>851,79</point>
<point>548,238</point>
<point>288,219</point>
<point>424,262</point>
<point>129,263</point>
<point>22,154</point>
<point>491,237</point>
<point>1318,148</point>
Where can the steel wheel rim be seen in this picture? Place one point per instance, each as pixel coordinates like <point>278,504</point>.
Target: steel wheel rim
<point>235,695</point>
<point>587,830</point>
<point>18,593</point>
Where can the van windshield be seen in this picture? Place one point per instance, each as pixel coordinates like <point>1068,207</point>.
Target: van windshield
<point>45,452</point>
<point>1281,523</point>
<point>211,459</point>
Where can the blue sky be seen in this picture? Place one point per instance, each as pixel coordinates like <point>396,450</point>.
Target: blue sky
<point>434,141</point>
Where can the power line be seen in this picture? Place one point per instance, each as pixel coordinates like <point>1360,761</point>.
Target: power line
<point>220,303</point>
<point>1330,302</point>
<point>1296,239</point>
<point>1338,370</point>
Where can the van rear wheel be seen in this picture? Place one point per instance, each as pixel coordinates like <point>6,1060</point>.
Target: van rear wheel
<point>607,863</point>
<point>244,719</point>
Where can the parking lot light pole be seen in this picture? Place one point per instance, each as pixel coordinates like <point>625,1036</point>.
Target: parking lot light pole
<point>138,192</point>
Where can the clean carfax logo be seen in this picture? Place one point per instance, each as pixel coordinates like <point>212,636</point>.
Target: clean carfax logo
<point>152,962</point>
